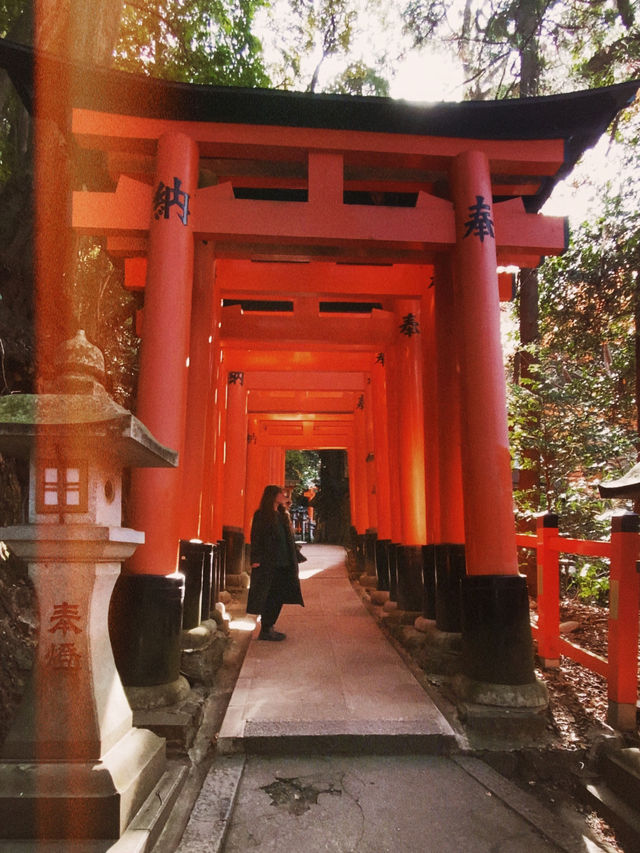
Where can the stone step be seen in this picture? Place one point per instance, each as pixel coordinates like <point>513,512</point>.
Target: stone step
<point>621,772</point>
<point>617,813</point>
<point>341,737</point>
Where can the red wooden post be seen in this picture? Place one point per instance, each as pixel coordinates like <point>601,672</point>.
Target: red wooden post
<point>211,532</point>
<point>370,458</point>
<point>411,455</point>
<point>258,474</point>
<point>497,647</point>
<point>488,498</point>
<point>359,475</point>
<point>411,423</point>
<point>393,415</point>
<point>381,440</point>
<point>200,373</point>
<point>277,465</point>
<point>448,406</point>
<point>448,549</point>
<point>235,463</point>
<point>235,471</point>
<point>220,426</point>
<point>548,560</point>
<point>623,622</point>
<point>162,387</point>
<point>353,502</point>
<point>432,415</point>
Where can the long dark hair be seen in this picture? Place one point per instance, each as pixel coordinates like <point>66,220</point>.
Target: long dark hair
<point>267,501</point>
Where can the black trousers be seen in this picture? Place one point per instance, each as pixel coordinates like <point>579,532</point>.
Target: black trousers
<point>273,604</point>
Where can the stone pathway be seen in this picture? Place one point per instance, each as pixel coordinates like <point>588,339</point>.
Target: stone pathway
<point>335,683</point>
<point>330,744</point>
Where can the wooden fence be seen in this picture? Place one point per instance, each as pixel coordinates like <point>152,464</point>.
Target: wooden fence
<point>620,667</point>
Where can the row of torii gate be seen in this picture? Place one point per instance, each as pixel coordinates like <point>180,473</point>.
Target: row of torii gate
<point>322,272</point>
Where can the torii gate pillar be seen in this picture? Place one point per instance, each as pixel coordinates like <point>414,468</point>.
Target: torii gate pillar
<point>410,418</point>
<point>497,645</point>
<point>383,479</point>
<point>381,440</point>
<point>449,550</point>
<point>358,471</point>
<point>235,474</point>
<point>162,388</point>
<point>201,369</point>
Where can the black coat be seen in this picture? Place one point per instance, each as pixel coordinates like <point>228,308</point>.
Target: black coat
<point>264,543</point>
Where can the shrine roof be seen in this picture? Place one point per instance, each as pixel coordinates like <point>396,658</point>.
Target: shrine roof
<point>578,118</point>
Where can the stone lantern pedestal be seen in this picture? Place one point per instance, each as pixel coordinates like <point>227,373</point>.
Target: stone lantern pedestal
<point>72,765</point>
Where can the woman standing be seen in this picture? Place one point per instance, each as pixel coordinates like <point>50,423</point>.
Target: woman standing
<point>274,563</point>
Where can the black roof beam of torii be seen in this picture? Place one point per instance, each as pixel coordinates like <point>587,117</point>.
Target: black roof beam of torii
<point>578,118</point>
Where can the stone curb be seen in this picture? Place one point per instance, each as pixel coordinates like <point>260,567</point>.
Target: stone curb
<point>205,832</point>
<point>525,805</point>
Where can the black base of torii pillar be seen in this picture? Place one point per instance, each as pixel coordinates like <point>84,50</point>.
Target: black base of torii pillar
<point>498,666</point>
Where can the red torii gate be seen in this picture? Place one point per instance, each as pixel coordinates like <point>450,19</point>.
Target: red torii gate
<point>301,202</point>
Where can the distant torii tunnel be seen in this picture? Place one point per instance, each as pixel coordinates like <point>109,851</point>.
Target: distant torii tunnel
<point>322,272</point>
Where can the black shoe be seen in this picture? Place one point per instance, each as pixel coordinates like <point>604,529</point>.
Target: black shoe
<point>271,634</point>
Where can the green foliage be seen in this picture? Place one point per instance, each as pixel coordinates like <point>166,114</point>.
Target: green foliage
<point>106,311</point>
<point>359,79</point>
<point>579,409</point>
<point>15,19</point>
<point>502,45</point>
<point>587,578</point>
<point>512,48</point>
<point>302,467</point>
<point>196,41</point>
<point>424,19</point>
<point>606,41</point>
<point>15,132</point>
<point>317,45</point>
<point>316,30</point>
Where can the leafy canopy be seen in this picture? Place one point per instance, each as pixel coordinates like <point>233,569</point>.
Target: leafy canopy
<point>196,41</point>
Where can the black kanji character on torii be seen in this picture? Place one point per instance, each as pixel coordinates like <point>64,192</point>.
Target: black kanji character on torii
<point>410,325</point>
<point>480,222</point>
<point>167,197</point>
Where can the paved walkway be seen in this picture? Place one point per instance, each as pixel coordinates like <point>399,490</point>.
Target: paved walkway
<point>334,684</point>
<point>325,746</point>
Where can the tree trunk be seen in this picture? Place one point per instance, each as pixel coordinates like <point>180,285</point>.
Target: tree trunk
<point>526,21</point>
<point>83,33</point>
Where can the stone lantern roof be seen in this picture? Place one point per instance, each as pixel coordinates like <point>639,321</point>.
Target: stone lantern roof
<point>627,486</point>
<point>79,410</point>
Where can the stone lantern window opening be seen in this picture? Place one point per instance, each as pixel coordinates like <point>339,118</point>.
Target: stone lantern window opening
<point>62,487</point>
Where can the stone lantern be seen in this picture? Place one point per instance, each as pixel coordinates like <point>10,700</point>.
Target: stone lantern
<point>72,765</point>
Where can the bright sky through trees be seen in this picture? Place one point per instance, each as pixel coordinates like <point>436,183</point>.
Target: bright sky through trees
<point>427,76</point>
<point>378,40</point>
